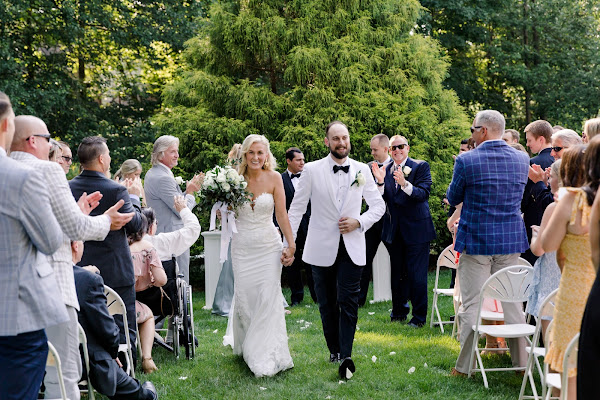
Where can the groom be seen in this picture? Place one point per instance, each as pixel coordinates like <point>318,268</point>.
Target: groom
<point>335,242</point>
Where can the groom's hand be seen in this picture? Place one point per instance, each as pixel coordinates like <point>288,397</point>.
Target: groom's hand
<point>347,225</point>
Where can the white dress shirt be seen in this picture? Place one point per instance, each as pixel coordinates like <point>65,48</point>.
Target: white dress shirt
<point>408,189</point>
<point>294,179</point>
<point>177,242</point>
<point>341,182</point>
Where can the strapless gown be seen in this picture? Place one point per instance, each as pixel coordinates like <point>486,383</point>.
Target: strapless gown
<point>256,327</point>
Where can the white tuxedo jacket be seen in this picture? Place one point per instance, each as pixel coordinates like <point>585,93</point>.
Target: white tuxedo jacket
<point>323,238</point>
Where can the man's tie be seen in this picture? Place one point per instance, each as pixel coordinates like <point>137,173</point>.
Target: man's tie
<point>380,165</point>
<point>344,168</point>
<point>295,175</point>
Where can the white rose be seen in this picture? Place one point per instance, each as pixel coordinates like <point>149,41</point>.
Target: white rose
<point>406,170</point>
<point>179,180</point>
<point>244,184</point>
<point>208,182</point>
<point>226,187</point>
<point>360,178</point>
<point>221,177</point>
<point>231,174</point>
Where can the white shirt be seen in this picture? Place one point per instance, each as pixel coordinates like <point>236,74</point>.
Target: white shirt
<point>408,189</point>
<point>294,179</point>
<point>340,180</point>
<point>175,243</point>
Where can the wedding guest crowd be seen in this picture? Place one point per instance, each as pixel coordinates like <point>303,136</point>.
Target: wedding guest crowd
<point>545,209</point>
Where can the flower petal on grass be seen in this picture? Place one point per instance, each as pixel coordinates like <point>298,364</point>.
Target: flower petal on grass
<point>215,331</point>
<point>182,378</point>
<point>374,358</point>
<point>371,313</point>
<point>411,370</point>
<point>392,353</point>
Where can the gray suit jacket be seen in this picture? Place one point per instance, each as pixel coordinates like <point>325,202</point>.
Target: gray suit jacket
<point>160,188</point>
<point>75,225</point>
<point>29,296</point>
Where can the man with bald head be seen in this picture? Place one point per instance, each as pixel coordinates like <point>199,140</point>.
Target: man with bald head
<point>30,146</point>
<point>489,181</point>
<point>29,299</point>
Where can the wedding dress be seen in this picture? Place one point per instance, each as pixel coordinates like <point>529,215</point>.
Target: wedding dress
<point>256,326</point>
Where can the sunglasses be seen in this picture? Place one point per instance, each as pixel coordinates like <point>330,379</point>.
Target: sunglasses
<point>475,127</point>
<point>46,136</point>
<point>557,148</point>
<point>399,146</point>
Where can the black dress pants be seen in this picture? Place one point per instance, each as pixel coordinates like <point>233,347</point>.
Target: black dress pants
<point>338,288</point>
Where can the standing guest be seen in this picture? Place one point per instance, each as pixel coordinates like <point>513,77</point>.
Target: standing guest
<point>568,234</point>
<point>160,187</point>
<point>29,298</point>
<point>335,242</point>
<point>105,374</point>
<point>588,358</point>
<point>66,159</point>
<point>537,196</point>
<point>291,177</point>
<point>557,128</point>
<point>590,129</point>
<point>224,290</point>
<point>407,229</point>
<point>111,255</point>
<point>30,147</point>
<point>511,136</point>
<point>489,181</point>
<point>130,169</point>
<point>380,147</point>
<point>563,139</point>
<point>518,146</point>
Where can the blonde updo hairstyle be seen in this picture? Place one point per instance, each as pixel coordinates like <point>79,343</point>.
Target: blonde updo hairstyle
<point>270,163</point>
<point>128,167</point>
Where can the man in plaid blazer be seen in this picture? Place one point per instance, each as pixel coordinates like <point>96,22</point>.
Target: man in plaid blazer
<point>29,298</point>
<point>489,181</point>
<point>30,146</point>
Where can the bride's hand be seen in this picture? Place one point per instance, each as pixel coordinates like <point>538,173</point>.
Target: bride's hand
<point>287,256</point>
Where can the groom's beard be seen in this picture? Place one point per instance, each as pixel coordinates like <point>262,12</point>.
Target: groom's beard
<point>340,152</point>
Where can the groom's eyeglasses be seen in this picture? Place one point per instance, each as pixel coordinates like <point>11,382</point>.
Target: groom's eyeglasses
<point>399,146</point>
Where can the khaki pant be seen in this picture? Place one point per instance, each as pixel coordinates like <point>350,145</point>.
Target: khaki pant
<point>473,271</point>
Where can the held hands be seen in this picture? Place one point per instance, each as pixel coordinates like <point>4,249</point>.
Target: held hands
<point>347,224</point>
<point>117,219</point>
<point>195,183</point>
<point>179,203</point>
<point>287,256</point>
<point>87,202</point>
<point>378,172</point>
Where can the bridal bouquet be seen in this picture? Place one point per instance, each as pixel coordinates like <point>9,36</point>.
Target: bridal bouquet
<point>223,185</point>
<point>223,189</point>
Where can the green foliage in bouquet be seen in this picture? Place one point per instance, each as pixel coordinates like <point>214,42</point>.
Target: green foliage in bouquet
<point>223,184</point>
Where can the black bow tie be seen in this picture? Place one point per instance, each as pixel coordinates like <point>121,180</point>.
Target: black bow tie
<point>380,165</point>
<point>344,168</point>
<point>295,175</point>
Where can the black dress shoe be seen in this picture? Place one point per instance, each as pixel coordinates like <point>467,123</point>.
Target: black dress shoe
<point>415,324</point>
<point>334,357</point>
<point>346,365</point>
<point>149,391</point>
<point>398,319</point>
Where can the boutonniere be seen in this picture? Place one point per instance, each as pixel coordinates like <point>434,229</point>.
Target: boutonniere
<point>359,179</point>
<point>179,180</point>
<point>406,170</point>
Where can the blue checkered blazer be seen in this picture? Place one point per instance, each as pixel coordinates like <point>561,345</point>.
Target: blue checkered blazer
<point>490,181</point>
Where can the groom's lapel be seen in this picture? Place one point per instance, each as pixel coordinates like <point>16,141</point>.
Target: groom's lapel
<point>328,180</point>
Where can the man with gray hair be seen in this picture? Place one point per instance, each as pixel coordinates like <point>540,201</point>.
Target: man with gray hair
<point>489,181</point>
<point>161,188</point>
<point>562,140</point>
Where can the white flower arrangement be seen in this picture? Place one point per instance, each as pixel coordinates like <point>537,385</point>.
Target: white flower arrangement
<point>359,179</point>
<point>406,170</point>
<point>179,180</point>
<point>223,184</point>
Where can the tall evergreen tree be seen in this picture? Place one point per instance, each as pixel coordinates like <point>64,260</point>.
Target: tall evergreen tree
<point>287,68</point>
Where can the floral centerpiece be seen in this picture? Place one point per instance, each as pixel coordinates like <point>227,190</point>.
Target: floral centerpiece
<point>223,189</point>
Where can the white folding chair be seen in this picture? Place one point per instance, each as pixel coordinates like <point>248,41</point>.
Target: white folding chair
<point>53,360</point>
<point>86,360</point>
<point>524,262</point>
<point>116,306</point>
<point>561,380</point>
<point>446,259</point>
<point>509,285</point>
<point>535,351</point>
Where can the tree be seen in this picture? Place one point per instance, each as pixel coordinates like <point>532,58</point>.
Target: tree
<point>529,59</point>
<point>287,68</point>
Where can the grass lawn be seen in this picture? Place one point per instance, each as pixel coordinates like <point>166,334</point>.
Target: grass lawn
<point>216,373</point>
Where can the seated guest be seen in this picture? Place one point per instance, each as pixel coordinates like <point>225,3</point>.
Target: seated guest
<point>568,234</point>
<point>105,374</point>
<point>149,272</point>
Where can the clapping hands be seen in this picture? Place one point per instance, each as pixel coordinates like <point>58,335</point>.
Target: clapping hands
<point>378,172</point>
<point>195,183</point>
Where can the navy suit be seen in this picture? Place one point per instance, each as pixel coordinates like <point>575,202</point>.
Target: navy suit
<point>294,271</point>
<point>536,198</point>
<point>112,255</point>
<point>407,231</point>
<point>103,340</point>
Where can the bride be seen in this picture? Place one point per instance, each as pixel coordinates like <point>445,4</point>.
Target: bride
<point>256,326</point>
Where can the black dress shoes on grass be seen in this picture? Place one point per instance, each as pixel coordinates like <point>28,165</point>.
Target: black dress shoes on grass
<point>347,368</point>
